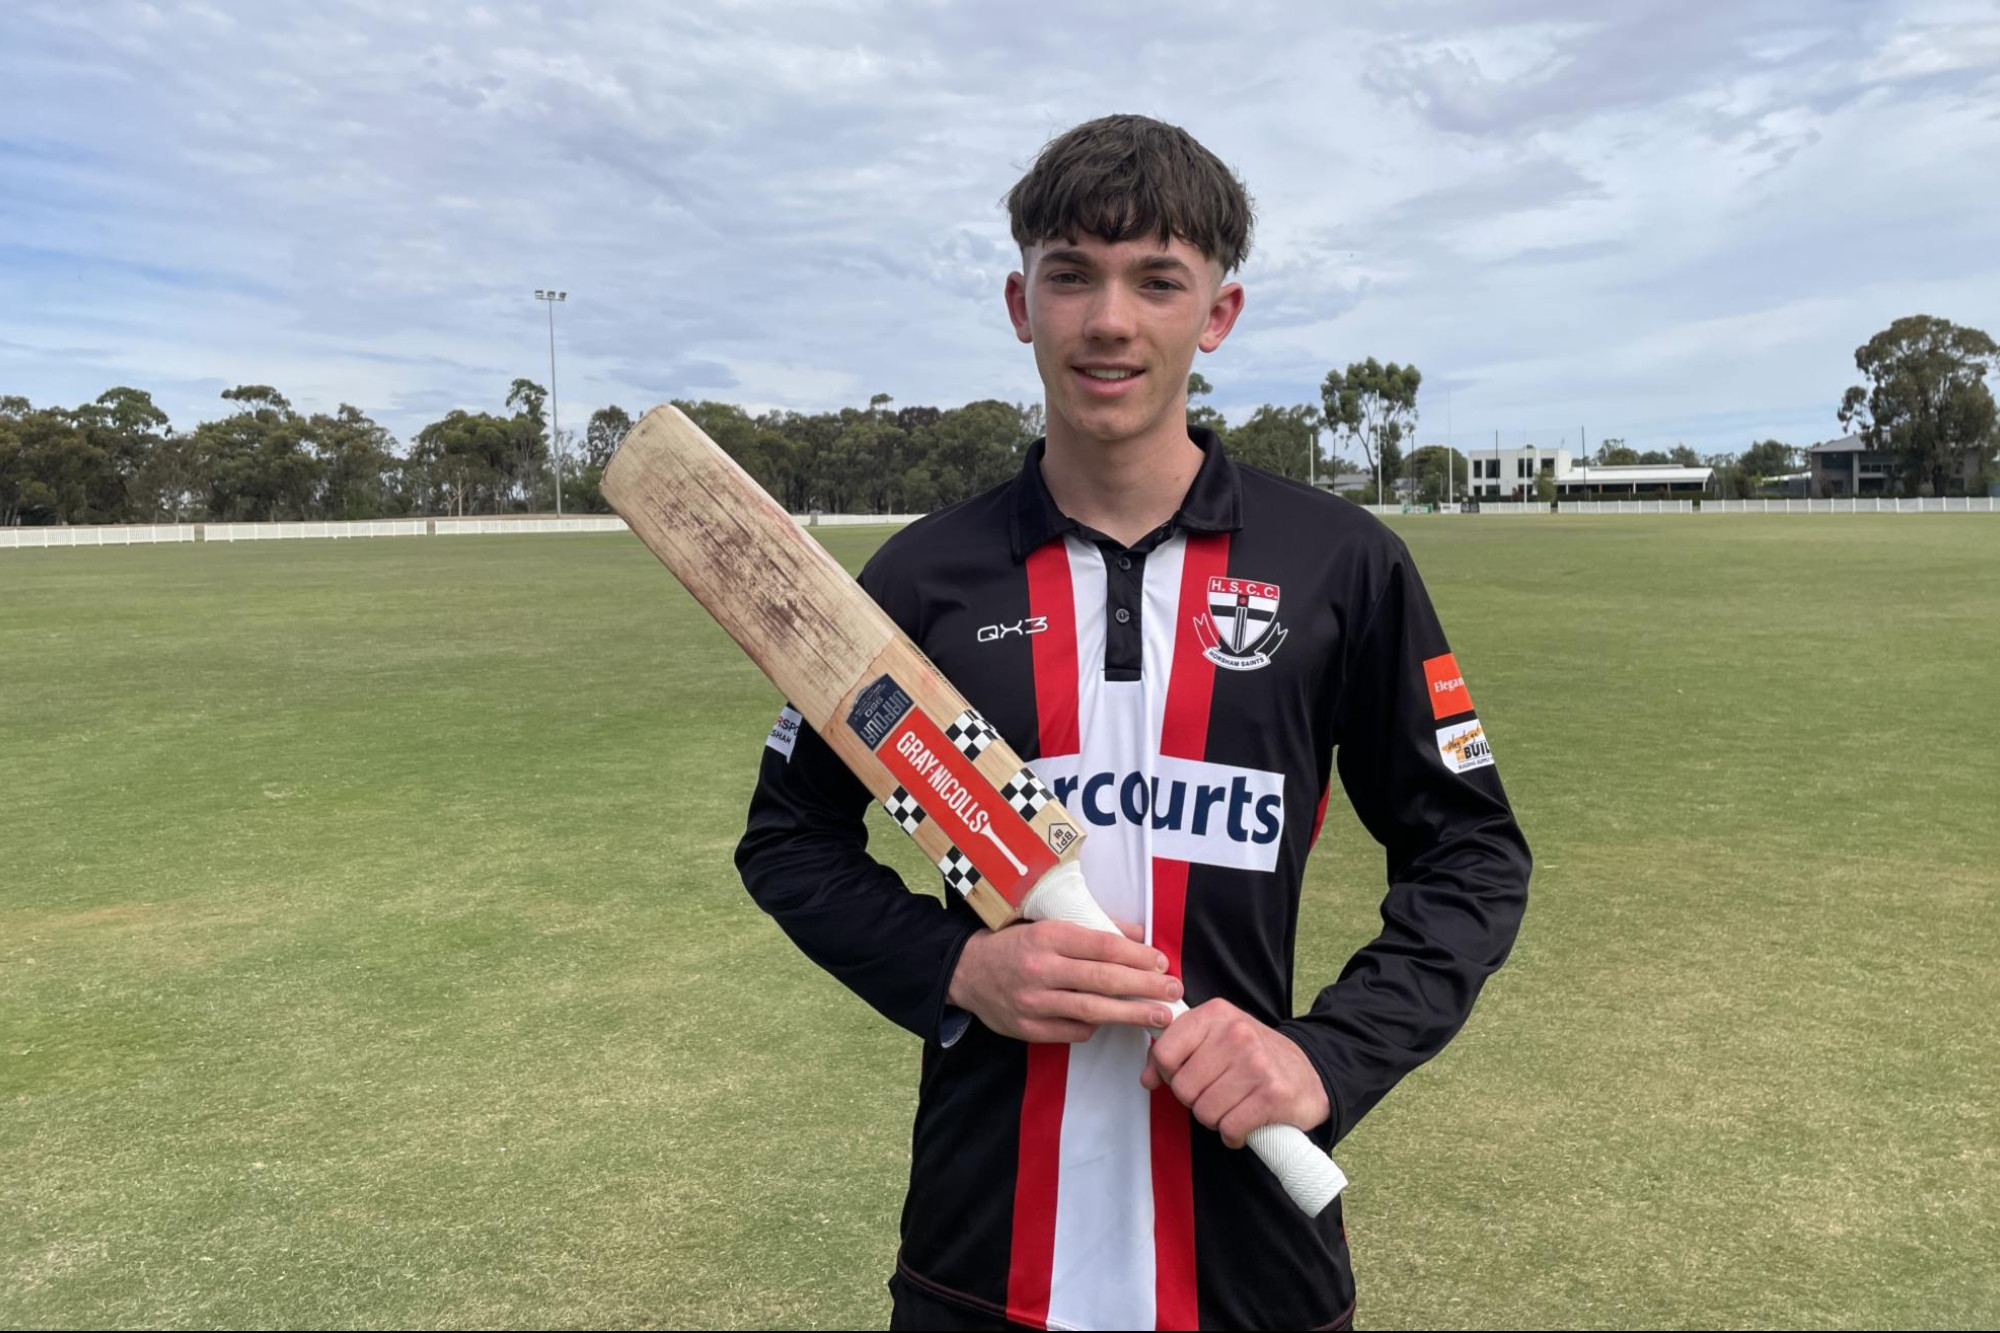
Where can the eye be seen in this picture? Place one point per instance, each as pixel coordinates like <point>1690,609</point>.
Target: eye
<point>1060,278</point>
<point>1163,285</point>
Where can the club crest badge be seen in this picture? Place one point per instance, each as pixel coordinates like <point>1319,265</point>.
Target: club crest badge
<point>1241,629</point>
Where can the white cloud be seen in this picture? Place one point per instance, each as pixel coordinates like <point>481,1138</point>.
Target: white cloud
<point>1675,222</point>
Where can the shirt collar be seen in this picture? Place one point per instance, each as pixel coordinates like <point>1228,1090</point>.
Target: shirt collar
<point>1213,502</point>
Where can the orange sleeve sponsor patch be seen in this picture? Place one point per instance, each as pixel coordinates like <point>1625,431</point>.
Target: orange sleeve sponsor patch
<point>1449,697</point>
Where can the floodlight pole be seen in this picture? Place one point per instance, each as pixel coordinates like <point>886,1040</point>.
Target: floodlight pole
<point>550,298</point>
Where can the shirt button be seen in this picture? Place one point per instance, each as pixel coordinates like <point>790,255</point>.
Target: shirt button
<point>1124,562</point>
<point>1124,616</point>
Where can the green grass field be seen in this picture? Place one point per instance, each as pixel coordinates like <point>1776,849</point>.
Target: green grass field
<point>370,952</point>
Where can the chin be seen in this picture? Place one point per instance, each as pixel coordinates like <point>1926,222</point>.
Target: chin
<point>1112,427</point>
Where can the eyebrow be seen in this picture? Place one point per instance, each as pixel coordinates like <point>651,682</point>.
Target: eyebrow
<point>1149,264</point>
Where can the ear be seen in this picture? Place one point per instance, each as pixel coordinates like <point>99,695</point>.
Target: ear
<point>1222,313</point>
<point>1017,306</point>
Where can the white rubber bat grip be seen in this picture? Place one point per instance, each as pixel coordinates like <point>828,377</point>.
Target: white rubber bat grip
<point>1308,1175</point>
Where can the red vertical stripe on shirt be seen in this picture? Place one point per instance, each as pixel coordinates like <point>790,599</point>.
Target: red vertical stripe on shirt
<point>1031,1258</point>
<point>1174,1302</point>
<point>1050,596</point>
<point>1183,735</point>
<point>1189,689</point>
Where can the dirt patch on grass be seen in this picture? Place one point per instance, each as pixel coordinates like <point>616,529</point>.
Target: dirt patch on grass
<point>117,914</point>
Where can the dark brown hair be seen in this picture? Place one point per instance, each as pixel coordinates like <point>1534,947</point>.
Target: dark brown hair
<point>1124,176</point>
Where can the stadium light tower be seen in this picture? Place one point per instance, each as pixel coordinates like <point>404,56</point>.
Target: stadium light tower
<point>555,412</point>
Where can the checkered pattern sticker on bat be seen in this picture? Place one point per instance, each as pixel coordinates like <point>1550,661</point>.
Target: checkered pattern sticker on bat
<point>959,872</point>
<point>903,808</point>
<point>1025,792</point>
<point>971,733</point>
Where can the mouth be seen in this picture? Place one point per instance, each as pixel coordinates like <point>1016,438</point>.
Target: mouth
<point>1108,381</point>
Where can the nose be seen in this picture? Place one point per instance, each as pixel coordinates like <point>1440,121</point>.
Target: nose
<point>1111,314</point>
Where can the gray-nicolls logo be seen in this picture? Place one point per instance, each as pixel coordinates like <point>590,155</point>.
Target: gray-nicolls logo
<point>1025,626</point>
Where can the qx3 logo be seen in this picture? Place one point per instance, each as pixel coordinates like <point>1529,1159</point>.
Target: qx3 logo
<point>1029,625</point>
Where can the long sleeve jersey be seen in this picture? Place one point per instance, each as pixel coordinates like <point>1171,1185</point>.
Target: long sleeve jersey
<point>1189,698</point>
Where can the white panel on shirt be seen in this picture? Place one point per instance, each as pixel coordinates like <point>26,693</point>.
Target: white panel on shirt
<point>1103,1263</point>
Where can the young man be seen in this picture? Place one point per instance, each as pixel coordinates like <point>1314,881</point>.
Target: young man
<point>1187,651</point>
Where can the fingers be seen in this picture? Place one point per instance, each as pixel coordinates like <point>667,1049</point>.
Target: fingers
<point>1058,981</point>
<point>1113,979</point>
<point>1252,1113</point>
<point>1130,931</point>
<point>1073,941</point>
<point>1192,1071</point>
<point>1098,1010</point>
<point>1234,1074</point>
<point>1230,1104</point>
<point>1222,1088</point>
<point>1185,1037</point>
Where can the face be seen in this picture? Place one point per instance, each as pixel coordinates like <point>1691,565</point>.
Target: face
<point>1115,327</point>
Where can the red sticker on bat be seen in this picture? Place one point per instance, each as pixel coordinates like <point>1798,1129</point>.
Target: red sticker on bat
<point>965,804</point>
<point>1449,697</point>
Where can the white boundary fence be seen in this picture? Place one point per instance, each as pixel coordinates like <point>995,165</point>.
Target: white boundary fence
<point>1957,504</point>
<point>1963,504</point>
<point>844,520</point>
<point>144,534</point>
<point>261,532</point>
<point>141,534</point>
<point>136,534</point>
<point>485,527</point>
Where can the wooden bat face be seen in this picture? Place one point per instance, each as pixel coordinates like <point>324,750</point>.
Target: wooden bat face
<point>944,775</point>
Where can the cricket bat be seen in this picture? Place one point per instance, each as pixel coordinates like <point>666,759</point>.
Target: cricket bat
<point>995,831</point>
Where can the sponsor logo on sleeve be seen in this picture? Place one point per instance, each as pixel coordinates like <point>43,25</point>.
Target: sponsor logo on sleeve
<point>1464,747</point>
<point>1449,697</point>
<point>785,732</point>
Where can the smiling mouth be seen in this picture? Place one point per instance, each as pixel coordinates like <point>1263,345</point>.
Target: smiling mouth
<point>1111,376</point>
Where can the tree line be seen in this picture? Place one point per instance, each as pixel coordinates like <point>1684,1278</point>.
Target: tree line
<point>1926,407</point>
<point>118,459</point>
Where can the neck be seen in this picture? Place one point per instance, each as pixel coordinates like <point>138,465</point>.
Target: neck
<point>1122,488</point>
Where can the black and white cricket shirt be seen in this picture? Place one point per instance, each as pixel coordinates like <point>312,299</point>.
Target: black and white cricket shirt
<point>1190,699</point>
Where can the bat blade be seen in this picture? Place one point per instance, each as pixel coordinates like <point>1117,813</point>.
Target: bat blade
<point>944,774</point>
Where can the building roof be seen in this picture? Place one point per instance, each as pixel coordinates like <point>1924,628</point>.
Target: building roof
<point>1846,444</point>
<point>1644,474</point>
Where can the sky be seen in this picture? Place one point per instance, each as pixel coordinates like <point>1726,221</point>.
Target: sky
<point>1661,222</point>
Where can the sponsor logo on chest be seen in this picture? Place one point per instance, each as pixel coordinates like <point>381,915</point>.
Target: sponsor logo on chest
<point>1183,809</point>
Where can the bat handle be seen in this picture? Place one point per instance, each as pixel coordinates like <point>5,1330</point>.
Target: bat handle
<point>1308,1175</point>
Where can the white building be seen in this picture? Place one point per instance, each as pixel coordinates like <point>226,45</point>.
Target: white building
<point>1509,474</point>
